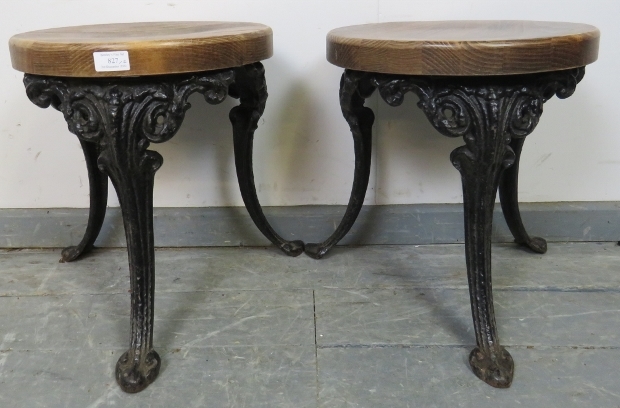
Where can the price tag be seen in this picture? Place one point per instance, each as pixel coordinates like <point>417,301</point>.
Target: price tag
<point>111,61</point>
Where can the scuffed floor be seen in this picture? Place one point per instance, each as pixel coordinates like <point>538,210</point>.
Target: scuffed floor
<point>376,326</point>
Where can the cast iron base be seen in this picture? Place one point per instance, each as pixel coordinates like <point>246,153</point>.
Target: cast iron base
<point>316,251</point>
<point>115,120</point>
<point>493,115</point>
<point>134,375</point>
<point>497,371</point>
<point>536,244</point>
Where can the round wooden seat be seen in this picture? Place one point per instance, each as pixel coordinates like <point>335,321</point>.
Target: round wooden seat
<point>153,48</point>
<point>463,48</point>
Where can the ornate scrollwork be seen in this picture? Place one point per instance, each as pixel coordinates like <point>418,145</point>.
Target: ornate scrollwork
<point>451,103</point>
<point>561,83</point>
<point>153,110</point>
<point>127,114</point>
<point>506,106</point>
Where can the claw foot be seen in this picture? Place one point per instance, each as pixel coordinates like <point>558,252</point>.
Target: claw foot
<point>70,254</point>
<point>497,371</point>
<point>134,375</point>
<point>293,248</point>
<point>316,251</point>
<point>536,244</point>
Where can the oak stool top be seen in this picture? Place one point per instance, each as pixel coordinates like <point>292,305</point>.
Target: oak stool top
<point>463,48</point>
<point>152,48</point>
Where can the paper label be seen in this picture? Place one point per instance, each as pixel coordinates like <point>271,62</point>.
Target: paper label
<point>111,61</point>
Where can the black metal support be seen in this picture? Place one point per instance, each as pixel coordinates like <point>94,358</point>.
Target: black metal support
<point>251,89</point>
<point>355,87</point>
<point>98,183</point>
<point>481,162</point>
<point>509,199</point>
<point>116,119</point>
<point>132,170</point>
<point>493,115</point>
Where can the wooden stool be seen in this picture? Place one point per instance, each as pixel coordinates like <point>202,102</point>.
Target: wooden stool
<point>122,86</point>
<point>485,81</point>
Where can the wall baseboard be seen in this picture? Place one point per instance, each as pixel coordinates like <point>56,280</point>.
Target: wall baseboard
<point>377,225</point>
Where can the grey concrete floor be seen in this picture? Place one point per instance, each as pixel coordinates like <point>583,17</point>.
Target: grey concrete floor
<point>375,326</point>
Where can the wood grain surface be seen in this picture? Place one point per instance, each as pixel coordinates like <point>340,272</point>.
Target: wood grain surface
<point>154,48</point>
<point>463,47</point>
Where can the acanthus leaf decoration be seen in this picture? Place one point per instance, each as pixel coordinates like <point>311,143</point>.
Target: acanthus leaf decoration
<point>506,106</point>
<point>165,112</point>
<point>152,109</point>
<point>561,83</point>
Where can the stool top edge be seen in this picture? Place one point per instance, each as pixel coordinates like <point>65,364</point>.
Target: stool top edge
<point>460,31</point>
<point>435,47</point>
<point>140,32</point>
<point>170,48</point>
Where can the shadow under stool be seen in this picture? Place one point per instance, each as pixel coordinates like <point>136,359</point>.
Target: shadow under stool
<point>121,87</point>
<point>485,81</point>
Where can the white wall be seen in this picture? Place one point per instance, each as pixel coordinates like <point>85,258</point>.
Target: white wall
<point>303,149</point>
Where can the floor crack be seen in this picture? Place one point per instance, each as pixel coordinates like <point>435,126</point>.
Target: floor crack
<point>316,348</point>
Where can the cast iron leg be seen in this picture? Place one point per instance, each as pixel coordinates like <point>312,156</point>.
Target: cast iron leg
<point>480,177</point>
<point>116,119</point>
<point>488,113</point>
<point>355,87</point>
<point>98,183</point>
<point>486,116</point>
<point>509,199</point>
<point>251,89</point>
<point>132,170</point>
